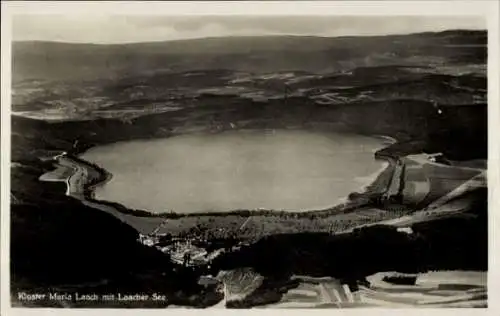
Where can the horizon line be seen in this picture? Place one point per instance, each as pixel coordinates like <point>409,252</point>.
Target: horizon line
<point>241,36</point>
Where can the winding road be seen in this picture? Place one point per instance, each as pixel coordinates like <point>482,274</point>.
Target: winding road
<point>78,180</point>
<point>75,187</point>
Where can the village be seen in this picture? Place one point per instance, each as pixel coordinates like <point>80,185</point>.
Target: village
<point>182,251</point>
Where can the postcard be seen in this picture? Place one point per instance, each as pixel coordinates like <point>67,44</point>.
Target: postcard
<point>224,156</point>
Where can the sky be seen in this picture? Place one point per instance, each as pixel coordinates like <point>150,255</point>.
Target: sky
<point>134,28</point>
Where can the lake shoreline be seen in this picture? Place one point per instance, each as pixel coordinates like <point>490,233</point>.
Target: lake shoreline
<point>86,191</point>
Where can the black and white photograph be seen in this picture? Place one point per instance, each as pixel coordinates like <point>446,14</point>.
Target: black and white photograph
<point>246,161</point>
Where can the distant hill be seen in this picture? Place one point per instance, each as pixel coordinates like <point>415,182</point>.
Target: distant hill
<point>65,61</point>
<point>399,80</point>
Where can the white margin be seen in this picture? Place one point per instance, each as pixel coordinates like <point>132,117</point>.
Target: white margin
<point>486,8</point>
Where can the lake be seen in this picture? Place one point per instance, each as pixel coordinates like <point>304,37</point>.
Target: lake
<point>291,170</point>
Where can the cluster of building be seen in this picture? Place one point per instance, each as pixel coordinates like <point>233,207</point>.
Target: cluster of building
<point>181,251</point>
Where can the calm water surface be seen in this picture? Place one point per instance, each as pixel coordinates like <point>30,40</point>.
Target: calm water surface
<point>282,169</point>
